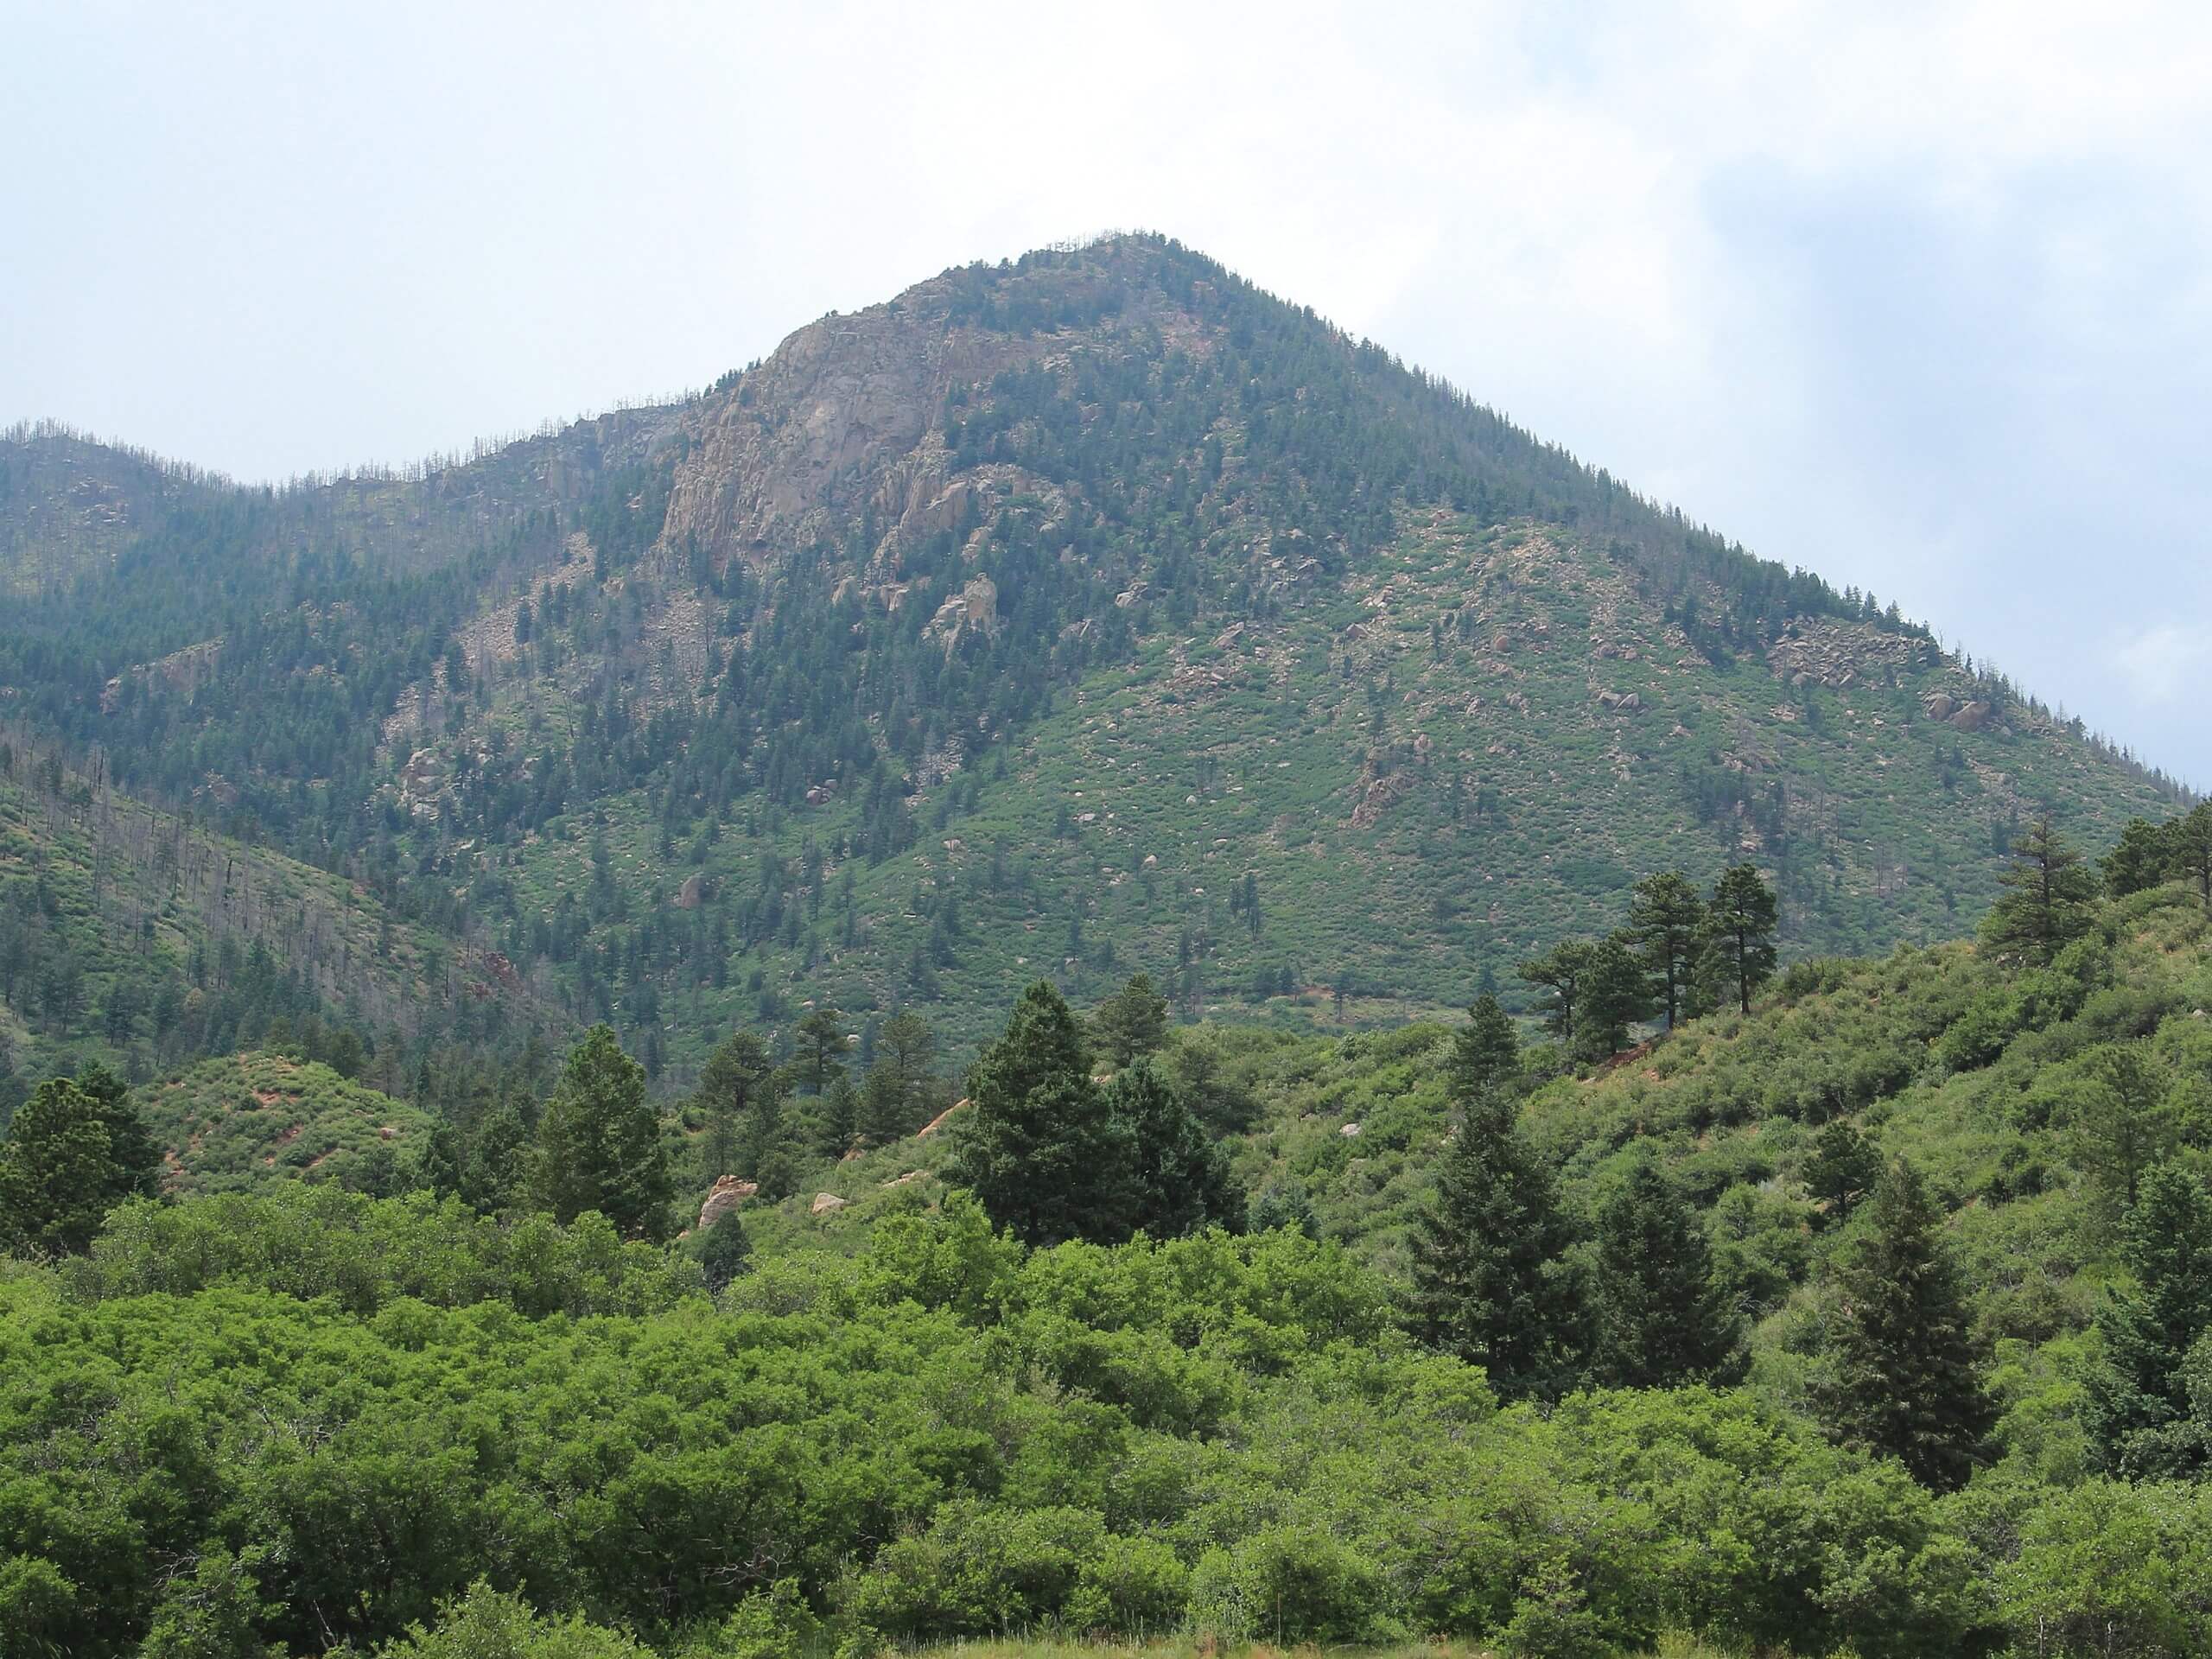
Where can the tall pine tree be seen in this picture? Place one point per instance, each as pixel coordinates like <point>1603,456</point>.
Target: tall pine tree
<point>1740,931</point>
<point>600,1144</point>
<point>1666,1320</point>
<point>1666,920</point>
<point>2139,1395</point>
<point>1493,1281</point>
<point>1907,1378</point>
<point>1039,1145</point>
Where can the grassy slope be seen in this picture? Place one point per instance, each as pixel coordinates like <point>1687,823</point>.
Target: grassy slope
<point>228,1124</point>
<point>1217,759</point>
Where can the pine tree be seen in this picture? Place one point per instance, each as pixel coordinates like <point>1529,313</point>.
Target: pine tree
<point>1492,1279</point>
<point>1615,994</point>
<point>1740,931</point>
<point>2137,1391</point>
<point>730,1085</point>
<point>1283,1203</point>
<point>1180,1176</point>
<point>1559,971</point>
<point>1667,1321</point>
<point>600,1143</point>
<point>1040,1146</point>
<point>1844,1168</point>
<point>1133,1022</point>
<point>1486,1052</point>
<point>822,1045</point>
<point>58,1175</point>
<point>496,1171</point>
<point>1907,1379</point>
<point>724,1251</point>
<point>134,1156</point>
<point>2045,903</point>
<point>1666,920</point>
<point>2192,850</point>
<point>768,1152</point>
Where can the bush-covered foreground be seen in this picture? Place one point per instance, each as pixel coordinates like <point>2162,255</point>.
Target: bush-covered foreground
<point>944,1437</point>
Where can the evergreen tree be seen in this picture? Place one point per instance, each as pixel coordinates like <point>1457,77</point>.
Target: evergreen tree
<point>58,1174</point>
<point>1039,1145</point>
<point>1907,1379</point>
<point>1493,1282</point>
<point>2121,1118</point>
<point>1666,1321</point>
<point>2047,897</point>
<point>2141,859</point>
<point>1666,920</point>
<point>1283,1203</point>
<point>441,1167</point>
<point>600,1142</point>
<point>769,1151</point>
<point>1844,1168</point>
<point>730,1085</point>
<point>1180,1176</point>
<point>1615,994</point>
<point>897,1096</point>
<point>1133,1022</point>
<point>2139,1393</point>
<point>2192,850</point>
<point>1558,972</point>
<point>1485,1051</point>
<point>1740,931</point>
<point>496,1175</point>
<point>724,1251</point>
<point>822,1045</point>
<point>134,1158</point>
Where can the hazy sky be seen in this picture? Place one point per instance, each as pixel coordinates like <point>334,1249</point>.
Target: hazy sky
<point>1918,295</point>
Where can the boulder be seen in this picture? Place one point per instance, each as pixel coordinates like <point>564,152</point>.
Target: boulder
<point>1351,1131</point>
<point>723,1197</point>
<point>1974,716</point>
<point>1941,706</point>
<point>825,1203</point>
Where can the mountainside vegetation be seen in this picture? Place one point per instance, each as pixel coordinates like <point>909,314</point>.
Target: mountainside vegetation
<point>1084,613</point>
<point>1871,1319</point>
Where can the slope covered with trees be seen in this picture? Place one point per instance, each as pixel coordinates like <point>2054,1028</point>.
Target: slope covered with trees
<point>1873,1318</point>
<point>1085,612</point>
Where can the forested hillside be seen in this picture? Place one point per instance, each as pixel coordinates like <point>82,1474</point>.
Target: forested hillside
<point>1092,613</point>
<point>1870,1317</point>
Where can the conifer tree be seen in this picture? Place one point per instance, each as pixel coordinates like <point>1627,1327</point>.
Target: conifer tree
<point>1180,1177</point>
<point>1133,1022</point>
<point>1039,1145</point>
<point>822,1045</point>
<point>2192,855</point>
<point>1493,1282</point>
<point>2139,859</point>
<point>600,1143</point>
<point>58,1174</point>
<point>1615,995</point>
<point>2045,903</point>
<point>2138,1393</point>
<point>497,1170</point>
<point>768,1152</point>
<point>134,1157</point>
<point>1907,1379</point>
<point>1558,972</point>
<point>1486,1052</point>
<point>1666,920</point>
<point>1844,1168</point>
<point>1740,931</point>
<point>724,1251</point>
<point>730,1085</point>
<point>1667,1321</point>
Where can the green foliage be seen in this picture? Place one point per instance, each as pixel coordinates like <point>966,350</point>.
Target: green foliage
<point>1907,1378</point>
<point>1041,1145</point>
<point>1133,1022</point>
<point>1667,1319</point>
<point>2139,1405</point>
<point>1493,1283</point>
<point>2045,903</point>
<point>1740,925</point>
<point>228,1124</point>
<point>58,1174</point>
<point>600,1145</point>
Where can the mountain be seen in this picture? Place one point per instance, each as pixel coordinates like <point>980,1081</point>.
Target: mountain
<point>1091,612</point>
